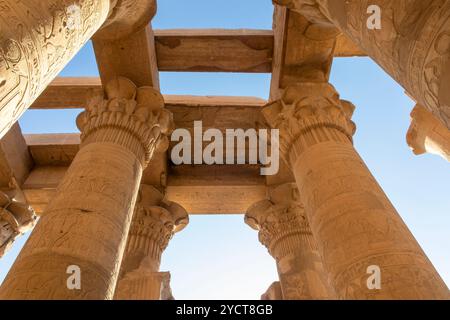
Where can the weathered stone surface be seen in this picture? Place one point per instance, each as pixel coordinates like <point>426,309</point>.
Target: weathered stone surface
<point>155,221</point>
<point>428,134</point>
<point>39,37</point>
<point>273,292</point>
<point>15,219</point>
<point>284,230</point>
<point>352,220</point>
<point>87,222</point>
<point>323,245</point>
<point>412,44</point>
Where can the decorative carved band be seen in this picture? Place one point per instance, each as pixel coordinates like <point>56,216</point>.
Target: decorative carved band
<point>281,221</point>
<point>138,113</point>
<point>15,219</point>
<point>309,8</point>
<point>309,113</point>
<point>411,42</point>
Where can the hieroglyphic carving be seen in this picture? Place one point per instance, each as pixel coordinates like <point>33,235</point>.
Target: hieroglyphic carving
<point>155,222</point>
<point>428,134</point>
<point>127,17</point>
<point>15,219</point>
<point>284,230</point>
<point>413,44</point>
<point>37,39</point>
<point>352,220</point>
<point>87,222</point>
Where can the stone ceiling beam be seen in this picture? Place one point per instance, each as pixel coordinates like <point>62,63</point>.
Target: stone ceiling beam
<point>71,93</point>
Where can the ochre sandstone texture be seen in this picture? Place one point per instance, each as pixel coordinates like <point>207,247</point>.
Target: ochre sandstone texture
<point>16,218</point>
<point>353,222</point>
<point>87,222</point>
<point>427,134</point>
<point>284,230</point>
<point>154,223</point>
<point>110,198</point>
<point>38,38</point>
<point>412,44</point>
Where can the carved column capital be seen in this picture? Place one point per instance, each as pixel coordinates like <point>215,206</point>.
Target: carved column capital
<point>309,113</point>
<point>428,134</point>
<point>279,217</point>
<point>132,117</point>
<point>311,9</point>
<point>157,219</point>
<point>15,219</point>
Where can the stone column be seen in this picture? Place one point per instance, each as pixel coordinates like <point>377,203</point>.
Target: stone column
<point>284,230</point>
<point>428,134</point>
<point>154,223</point>
<point>86,224</point>
<point>273,292</point>
<point>38,38</point>
<point>15,219</point>
<point>352,220</point>
<point>412,46</point>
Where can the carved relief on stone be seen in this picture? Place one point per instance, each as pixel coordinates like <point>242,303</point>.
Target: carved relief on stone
<point>138,112</point>
<point>155,222</point>
<point>273,292</point>
<point>305,109</point>
<point>413,44</point>
<point>87,222</point>
<point>428,134</point>
<point>284,230</point>
<point>127,17</point>
<point>38,38</point>
<point>15,219</point>
<point>278,217</point>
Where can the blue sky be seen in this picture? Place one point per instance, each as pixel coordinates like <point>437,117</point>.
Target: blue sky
<point>219,257</point>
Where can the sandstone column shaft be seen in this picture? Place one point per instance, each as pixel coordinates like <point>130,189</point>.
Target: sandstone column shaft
<point>38,38</point>
<point>284,230</point>
<point>352,220</point>
<point>154,223</point>
<point>87,223</point>
<point>412,45</point>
